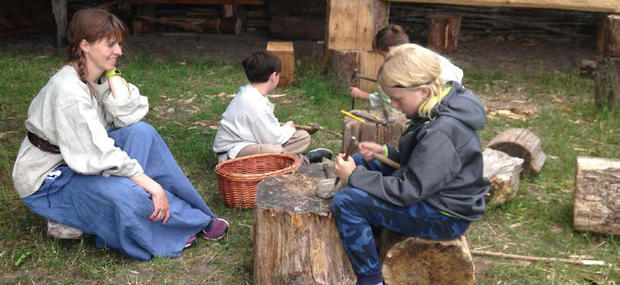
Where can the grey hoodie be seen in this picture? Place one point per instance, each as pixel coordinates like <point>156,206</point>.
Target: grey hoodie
<point>440,160</point>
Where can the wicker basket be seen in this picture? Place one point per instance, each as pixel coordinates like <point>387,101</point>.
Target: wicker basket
<point>237,178</point>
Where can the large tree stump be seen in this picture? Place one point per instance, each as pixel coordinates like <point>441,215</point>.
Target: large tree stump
<point>412,260</point>
<point>342,66</point>
<point>368,131</point>
<point>295,236</point>
<point>597,195</point>
<point>523,144</point>
<point>503,172</point>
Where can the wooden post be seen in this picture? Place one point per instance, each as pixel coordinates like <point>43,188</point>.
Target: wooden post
<point>342,66</point>
<point>597,194</point>
<point>147,10</point>
<point>412,260</point>
<point>607,82</point>
<point>608,40</point>
<point>503,172</point>
<point>285,51</point>
<point>521,143</point>
<point>59,8</point>
<point>369,131</point>
<point>443,32</point>
<point>295,236</point>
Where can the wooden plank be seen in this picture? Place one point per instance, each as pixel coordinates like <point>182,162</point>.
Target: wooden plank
<point>370,62</point>
<point>609,6</point>
<point>352,24</point>
<point>286,53</point>
<point>207,2</point>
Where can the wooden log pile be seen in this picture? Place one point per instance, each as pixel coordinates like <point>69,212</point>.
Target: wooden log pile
<point>25,17</point>
<point>499,21</point>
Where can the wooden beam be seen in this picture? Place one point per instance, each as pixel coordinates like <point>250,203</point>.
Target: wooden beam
<point>206,2</point>
<point>352,24</point>
<point>608,6</point>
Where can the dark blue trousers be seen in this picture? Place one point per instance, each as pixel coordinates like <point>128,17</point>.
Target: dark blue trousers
<point>356,214</point>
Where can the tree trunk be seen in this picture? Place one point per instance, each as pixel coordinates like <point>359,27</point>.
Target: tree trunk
<point>368,131</point>
<point>412,260</point>
<point>295,237</point>
<point>503,172</point>
<point>523,144</point>
<point>597,195</point>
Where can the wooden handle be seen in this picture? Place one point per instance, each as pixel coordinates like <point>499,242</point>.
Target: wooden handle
<point>387,161</point>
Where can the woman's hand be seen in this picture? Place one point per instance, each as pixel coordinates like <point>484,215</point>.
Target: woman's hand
<point>161,208</point>
<point>344,167</point>
<point>368,149</point>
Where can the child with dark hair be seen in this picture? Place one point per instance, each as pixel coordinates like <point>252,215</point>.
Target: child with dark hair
<point>249,126</point>
<point>392,36</point>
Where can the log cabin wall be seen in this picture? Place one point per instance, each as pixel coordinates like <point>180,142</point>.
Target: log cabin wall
<point>502,23</point>
<point>25,17</point>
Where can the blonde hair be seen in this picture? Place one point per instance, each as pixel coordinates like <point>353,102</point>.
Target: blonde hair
<point>411,65</point>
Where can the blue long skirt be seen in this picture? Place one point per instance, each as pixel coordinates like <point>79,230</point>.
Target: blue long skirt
<point>116,210</point>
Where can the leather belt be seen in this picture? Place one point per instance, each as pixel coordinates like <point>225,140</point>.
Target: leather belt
<point>42,144</point>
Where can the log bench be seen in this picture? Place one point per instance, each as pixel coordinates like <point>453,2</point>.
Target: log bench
<point>296,240</point>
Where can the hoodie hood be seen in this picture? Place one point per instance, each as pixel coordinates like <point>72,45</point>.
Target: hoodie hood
<point>463,105</point>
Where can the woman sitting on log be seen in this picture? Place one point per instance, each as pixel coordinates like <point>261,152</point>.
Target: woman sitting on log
<point>439,189</point>
<point>90,163</point>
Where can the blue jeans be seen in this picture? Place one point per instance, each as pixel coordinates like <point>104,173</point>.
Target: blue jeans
<point>356,214</point>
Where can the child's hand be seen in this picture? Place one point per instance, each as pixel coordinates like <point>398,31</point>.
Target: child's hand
<point>357,93</point>
<point>344,167</point>
<point>368,149</point>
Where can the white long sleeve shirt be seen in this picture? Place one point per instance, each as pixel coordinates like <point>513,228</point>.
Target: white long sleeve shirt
<point>65,114</point>
<point>248,119</point>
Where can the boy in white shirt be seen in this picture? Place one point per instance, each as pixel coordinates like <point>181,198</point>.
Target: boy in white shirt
<point>249,126</point>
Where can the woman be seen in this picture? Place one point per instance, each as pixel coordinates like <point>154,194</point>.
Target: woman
<point>88,162</point>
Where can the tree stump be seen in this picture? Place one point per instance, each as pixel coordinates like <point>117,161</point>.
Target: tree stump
<point>368,131</point>
<point>597,195</point>
<point>342,67</point>
<point>412,260</point>
<point>295,236</point>
<point>523,144</point>
<point>443,32</point>
<point>58,230</point>
<point>503,172</point>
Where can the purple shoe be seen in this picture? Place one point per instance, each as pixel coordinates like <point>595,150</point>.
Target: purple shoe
<point>215,230</point>
<point>190,242</point>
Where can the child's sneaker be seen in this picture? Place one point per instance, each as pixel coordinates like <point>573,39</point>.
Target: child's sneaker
<point>215,230</point>
<point>190,242</point>
<point>316,155</point>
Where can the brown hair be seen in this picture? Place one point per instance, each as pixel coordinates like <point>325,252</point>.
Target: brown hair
<point>91,24</point>
<point>389,36</point>
<point>260,65</point>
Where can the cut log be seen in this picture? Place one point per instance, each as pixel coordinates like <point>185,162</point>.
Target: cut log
<point>412,260</point>
<point>521,143</point>
<point>306,27</point>
<point>368,131</point>
<point>295,236</point>
<point>608,39</point>
<point>607,83</point>
<point>443,32</point>
<point>503,172</point>
<point>597,195</point>
<point>61,231</point>
<point>286,53</point>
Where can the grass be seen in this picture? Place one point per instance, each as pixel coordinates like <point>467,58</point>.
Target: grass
<point>187,97</point>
